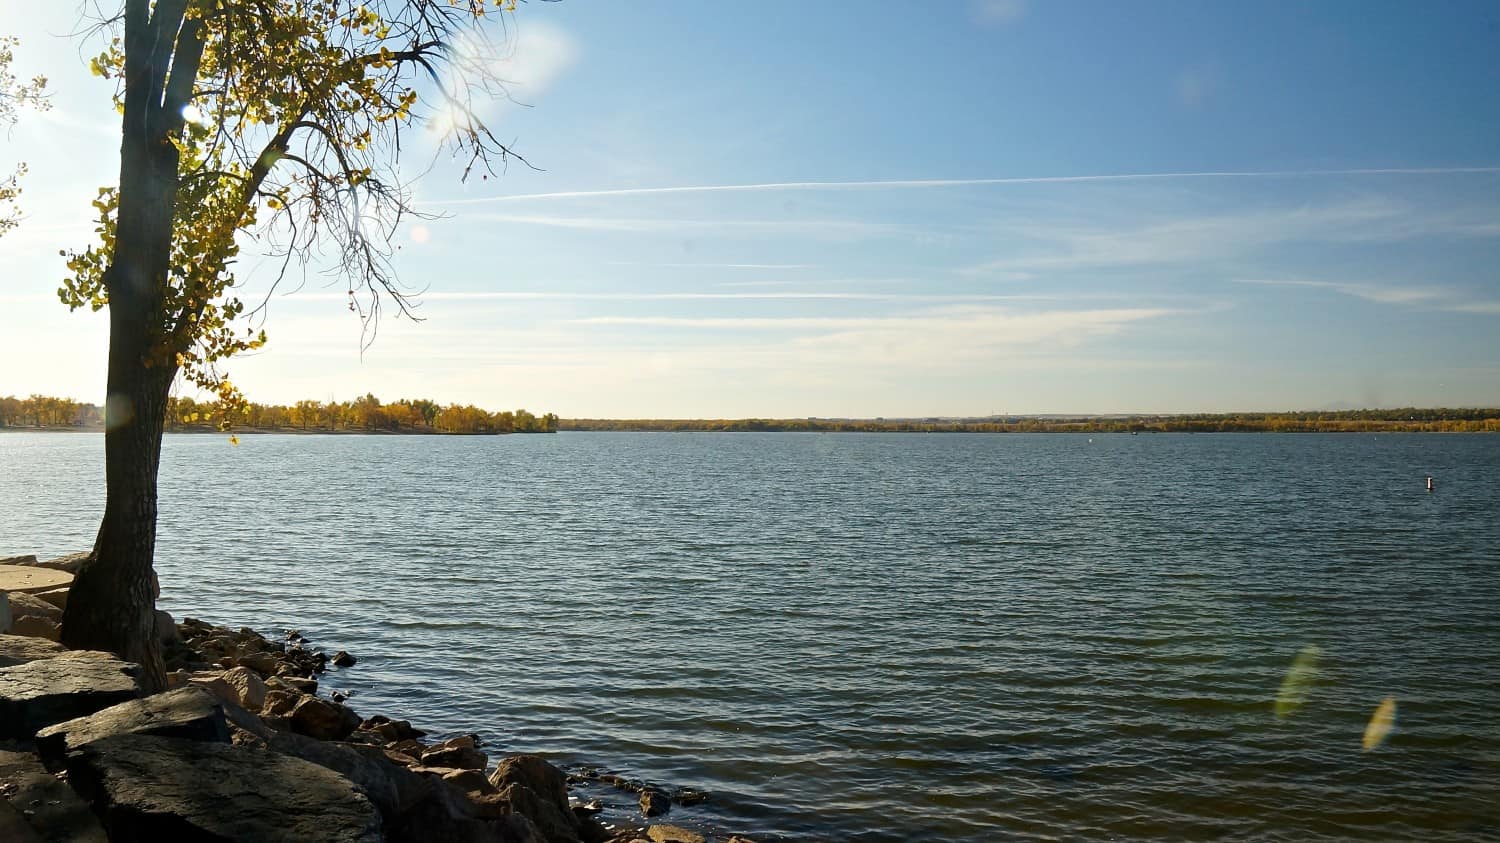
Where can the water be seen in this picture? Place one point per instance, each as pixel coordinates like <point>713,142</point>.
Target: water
<point>878,637</point>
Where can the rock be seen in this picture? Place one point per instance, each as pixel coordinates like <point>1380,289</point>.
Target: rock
<point>688,796</point>
<point>37,627</point>
<point>192,713</point>
<point>458,753</point>
<point>672,834</point>
<point>531,786</point>
<point>446,816</point>
<point>57,597</point>
<point>280,703</point>
<point>322,719</point>
<point>37,694</point>
<point>654,803</point>
<point>153,788</point>
<point>19,649</point>
<point>470,781</point>
<point>166,628</point>
<point>343,659</point>
<point>589,808</point>
<point>392,730</point>
<point>393,789</point>
<point>29,605</point>
<point>534,772</point>
<point>43,808</point>
<point>25,559</point>
<point>70,563</point>
<point>242,686</point>
<point>306,686</point>
<point>5,614</point>
<point>263,663</point>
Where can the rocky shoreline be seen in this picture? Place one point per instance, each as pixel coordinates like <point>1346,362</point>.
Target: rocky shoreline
<point>244,747</point>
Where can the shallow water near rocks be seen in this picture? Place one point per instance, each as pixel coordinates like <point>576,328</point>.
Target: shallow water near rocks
<point>874,636</point>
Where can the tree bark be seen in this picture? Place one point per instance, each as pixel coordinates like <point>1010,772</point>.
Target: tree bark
<point>112,603</point>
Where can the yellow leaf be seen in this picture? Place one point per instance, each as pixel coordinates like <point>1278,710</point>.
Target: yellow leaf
<point>1381,723</point>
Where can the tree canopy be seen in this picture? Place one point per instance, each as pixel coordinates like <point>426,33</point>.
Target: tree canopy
<point>274,121</point>
<point>15,94</point>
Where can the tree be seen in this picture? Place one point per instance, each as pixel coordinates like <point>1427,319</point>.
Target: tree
<point>279,119</point>
<point>15,94</point>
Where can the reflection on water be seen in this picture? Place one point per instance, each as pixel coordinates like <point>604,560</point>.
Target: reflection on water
<point>882,637</point>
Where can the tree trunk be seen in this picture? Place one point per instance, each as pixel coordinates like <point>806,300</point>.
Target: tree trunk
<point>112,603</point>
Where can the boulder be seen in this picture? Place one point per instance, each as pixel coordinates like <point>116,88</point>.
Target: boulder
<point>654,803</point>
<point>242,686</point>
<point>261,662</point>
<point>458,753</point>
<point>166,628</point>
<point>19,649</point>
<point>70,563</point>
<point>280,703</point>
<point>190,712</point>
<point>30,605</point>
<point>153,788</point>
<point>469,781</point>
<point>535,788</point>
<point>24,559</point>
<point>343,659</point>
<point>57,596</point>
<point>37,627</point>
<point>40,807</point>
<point>322,719</point>
<point>392,789</point>
<point>37,694</point>
<point>672,834</point>
<point>446,816</point>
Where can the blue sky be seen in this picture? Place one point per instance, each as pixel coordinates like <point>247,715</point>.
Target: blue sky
<point>839,209</point>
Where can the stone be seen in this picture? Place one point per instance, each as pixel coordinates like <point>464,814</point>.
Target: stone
<point>30,605</point>
<point>242,686</point>
<point>37,627</point>
<point>535,788</point>
<point>42,808</point>
<point>190,712</point>
<point>153,788</point>
<point>672,834</point>
<point>458,753</point>
<point>447,816</point>
<point>70,563</point>
<point>166,628</point>
<point>37,694</point>
<point>280,703</point>
<point>263,663</point>
<point>57,596</point>
<point>19,649</point>
<point>303,684</point>
<point>654,803</point>
<point>25,559</point>
<point>469,781</point>
<point>689,796</point>
<point>534,772</point>
<point>392,789</point>
<point>322,719</point>
<point>343,659</point>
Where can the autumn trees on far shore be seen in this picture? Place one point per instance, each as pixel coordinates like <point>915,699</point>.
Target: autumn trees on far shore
<point>363,414</point>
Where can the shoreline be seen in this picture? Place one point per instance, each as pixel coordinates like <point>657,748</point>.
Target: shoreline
<point>238,702</point>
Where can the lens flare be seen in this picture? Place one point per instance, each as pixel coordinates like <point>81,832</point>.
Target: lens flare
<point>1381,724</point>
<point>1299,680</point>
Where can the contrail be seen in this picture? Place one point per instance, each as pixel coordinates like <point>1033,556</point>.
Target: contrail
<point>928,183</point>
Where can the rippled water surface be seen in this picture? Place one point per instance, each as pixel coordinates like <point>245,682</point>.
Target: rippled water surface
<point>878,637</point>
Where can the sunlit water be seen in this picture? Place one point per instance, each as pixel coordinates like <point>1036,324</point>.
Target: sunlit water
<point>878,637</point>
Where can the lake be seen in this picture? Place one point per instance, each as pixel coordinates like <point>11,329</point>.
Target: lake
<point>874,637</point>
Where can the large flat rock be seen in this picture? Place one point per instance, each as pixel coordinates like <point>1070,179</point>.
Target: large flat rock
<point>146,789</point>
<point>37,694</point>
<point>20,649</point>
<point>189,712</point>
<point>37,808</point>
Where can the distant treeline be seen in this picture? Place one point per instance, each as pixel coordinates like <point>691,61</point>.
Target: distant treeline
<point>1347,421</point>
<point>364,414</point>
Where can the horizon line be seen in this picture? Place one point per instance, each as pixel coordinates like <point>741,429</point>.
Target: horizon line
<point>938,183</point>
